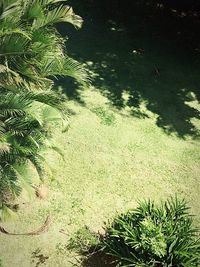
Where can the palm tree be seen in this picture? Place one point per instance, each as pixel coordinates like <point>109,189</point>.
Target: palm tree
<point>31,49</point>
<point>24,122</point>
<point>31,54</point>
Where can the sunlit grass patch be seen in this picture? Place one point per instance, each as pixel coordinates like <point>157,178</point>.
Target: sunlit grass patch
<point>106,116</point>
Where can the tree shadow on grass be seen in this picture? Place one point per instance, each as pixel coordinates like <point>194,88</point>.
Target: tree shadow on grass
<point>99,259</point>
<point>137,62</point>
<point>69,87</point>
<point>86,244</point>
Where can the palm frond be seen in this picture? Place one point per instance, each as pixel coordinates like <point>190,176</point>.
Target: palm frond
<point>38,163</point>
<point>75,70</point>
<point>24,179</point>
<point>9,183</point>
<point>15,31</point>
<point>14,45</point>
<point>34,10</point>
<point>7,214</point>
<point>50,2</point>
<point>14,105</point>
<point>58,66</point>
<point>59,14</point>
<point>2,128</point>
<point>49,98</point>
<point>7,8</point>
<point>4,147</point>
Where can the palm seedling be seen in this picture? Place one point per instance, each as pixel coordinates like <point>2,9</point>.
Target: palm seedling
<point>157,236</point>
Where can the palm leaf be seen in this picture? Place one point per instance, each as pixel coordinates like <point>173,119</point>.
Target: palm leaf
<point>7,214</point>
<point>75,70</point>
<point>4,147</point>
<point>14,45</point>
<point>24,179</point>
<point>38,163</point>
<point>8,8</point>
<point>50,2</point>
<point>2,128</point>
<point>59,14</point>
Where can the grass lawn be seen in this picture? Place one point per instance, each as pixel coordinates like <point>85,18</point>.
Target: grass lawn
<point>123,145</point>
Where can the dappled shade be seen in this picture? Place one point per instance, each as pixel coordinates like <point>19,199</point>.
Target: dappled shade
<point>141,62</point>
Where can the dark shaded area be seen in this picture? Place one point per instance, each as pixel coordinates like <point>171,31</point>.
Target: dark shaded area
<point>69,87</point>
<point>99,259</point>
<point>146,49</point>
<point>38,258</point>
<point>86,243</point>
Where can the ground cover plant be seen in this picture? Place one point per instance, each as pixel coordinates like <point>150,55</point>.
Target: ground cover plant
<point>154,235</point>
<point>31,53</point>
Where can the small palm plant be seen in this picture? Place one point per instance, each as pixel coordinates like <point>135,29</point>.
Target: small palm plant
<point>158,236</point>
<point>31,54</point>
<point>24,130</point>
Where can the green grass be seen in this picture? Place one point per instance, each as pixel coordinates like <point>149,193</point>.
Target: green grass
<point>107,168</point>
<point>123,145</point>
<point>106,117</point>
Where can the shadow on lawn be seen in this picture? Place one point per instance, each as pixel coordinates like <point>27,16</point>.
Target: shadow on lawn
<point>70,88</point>
<point>86,244</point>
<point>99,259</point>
<point>138,66</point>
